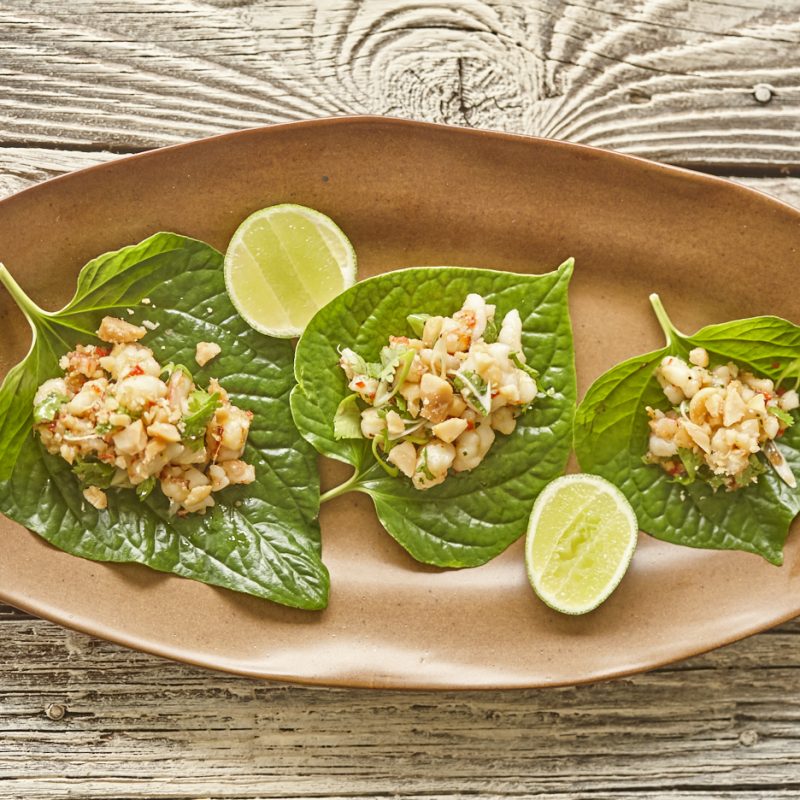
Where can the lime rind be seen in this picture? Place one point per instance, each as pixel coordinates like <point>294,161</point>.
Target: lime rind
<point>281,304</point>
<point>583,531</point>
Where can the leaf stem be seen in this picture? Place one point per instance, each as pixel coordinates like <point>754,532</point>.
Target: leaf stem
<point>350,485</point>
<point>25,304</point>
<point>670,331</point>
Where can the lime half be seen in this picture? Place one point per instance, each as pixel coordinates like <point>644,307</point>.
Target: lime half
<point>581,537</point>
<point>283,264</point>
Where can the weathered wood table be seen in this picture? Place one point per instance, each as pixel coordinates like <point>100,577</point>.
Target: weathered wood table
<point>710,85</point>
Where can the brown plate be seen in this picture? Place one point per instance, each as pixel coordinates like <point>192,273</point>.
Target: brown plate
<point>410,194</point>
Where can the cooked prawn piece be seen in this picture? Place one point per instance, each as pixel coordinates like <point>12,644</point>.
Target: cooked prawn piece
<point>720,420</point>
<point>434,404</point>
<point>121,420</point>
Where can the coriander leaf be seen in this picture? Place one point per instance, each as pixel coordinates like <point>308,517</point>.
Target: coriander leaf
<point>472,516</point>
<point>347,420</point>
<point>202,406</point>
<point>94,473</point>
<point>263,538</point>
<point>611,436</point>
<point>46,410</point>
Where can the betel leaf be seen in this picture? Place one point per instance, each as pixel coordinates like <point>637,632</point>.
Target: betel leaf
<point>475,515</point>
<point>611,436</point>
<point>263,538</point>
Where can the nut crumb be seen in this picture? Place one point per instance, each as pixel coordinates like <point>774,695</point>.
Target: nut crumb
<point>150,325</point>
<point>206,351</point>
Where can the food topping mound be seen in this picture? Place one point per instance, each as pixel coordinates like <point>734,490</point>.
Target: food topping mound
<point>121,420</point>
<point>436,402</point>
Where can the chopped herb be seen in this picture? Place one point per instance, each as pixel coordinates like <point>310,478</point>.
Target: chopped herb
<point>167,370</point>
<point>202,406</point>
<point>520,364</point>
<point>784,416</point>
<point>417,323</point>
<point>103,428</point>
<point>46,410</point>
<point>94,473</point>
<point>144,488</point>
<point>691,462</point>
<point>390,470</point>
<point>491,331</point>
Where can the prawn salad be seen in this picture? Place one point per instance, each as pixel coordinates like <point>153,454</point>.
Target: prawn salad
<point>484,397</point>
<point>112,415</point>
<point>702,435</point>
<point>121,420</point>
<point>434,403</point>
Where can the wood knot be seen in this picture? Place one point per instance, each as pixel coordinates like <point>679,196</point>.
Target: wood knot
<point>748,738</point>
<point>55,711</point>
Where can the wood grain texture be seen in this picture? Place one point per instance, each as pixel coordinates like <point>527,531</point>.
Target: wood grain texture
<point>722,725</point>
<point>84,718</point>
<point>82,82</point>
<point>666,79</point>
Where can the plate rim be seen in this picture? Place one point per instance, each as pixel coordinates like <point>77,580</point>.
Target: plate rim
<point>178,654</point>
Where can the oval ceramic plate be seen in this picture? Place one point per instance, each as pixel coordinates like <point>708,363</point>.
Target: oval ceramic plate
<point>412,194</point>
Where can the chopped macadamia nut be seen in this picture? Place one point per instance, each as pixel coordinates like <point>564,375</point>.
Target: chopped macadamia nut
<point>206,351</point>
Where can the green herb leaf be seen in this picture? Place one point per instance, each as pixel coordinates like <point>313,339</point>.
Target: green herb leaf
<point>691,462</point>
<point>417,323</point>
<point>46,410</point>
<point>347,420</point>
<point>472,516</point>
<point>611,436</point>
<point>491,331</point>
<point>144,488</point>
<point>263,538</point>
<point>202,406</point>
<point>168,369</point>
<point>784,416</point>
<point>520,364</point>
<point>94,473</point>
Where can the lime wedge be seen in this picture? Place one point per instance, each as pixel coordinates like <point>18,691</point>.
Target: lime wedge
<point>581,537</point>
<point>283,264</point>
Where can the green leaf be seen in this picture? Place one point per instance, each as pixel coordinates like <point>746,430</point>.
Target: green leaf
<point>202,406</point>
<point>472,516</point>
<point>263,538</point>
<point>417,323</point>
<point>784,416</point>
<point>491,331</point>
<point>347,420</point>
<point>46,410</point>
<point>611,436</point>
<point>145,488</point>
<point>94,473</point>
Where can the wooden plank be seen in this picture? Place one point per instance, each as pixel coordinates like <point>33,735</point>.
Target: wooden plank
<point>671,81</point>
<point>80,717</point>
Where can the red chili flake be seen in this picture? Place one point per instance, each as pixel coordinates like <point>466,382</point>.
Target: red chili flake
<point>767,396</point>
<point>494,394</point>
<point>780,391</point>
<point>360,384</point>
<point>776,365</point>
<point>101,351</point>
<point>137,370</point>
<point>470,424</point>
<point>675,468</point>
